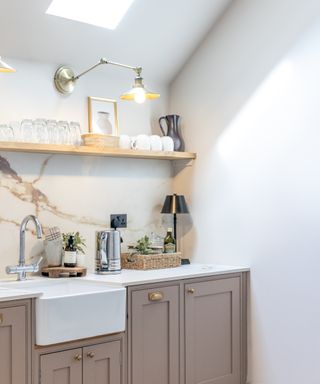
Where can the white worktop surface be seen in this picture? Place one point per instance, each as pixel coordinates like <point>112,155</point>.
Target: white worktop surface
<point>7,294</point>
<point>133,277</point>
<point>129,277</point>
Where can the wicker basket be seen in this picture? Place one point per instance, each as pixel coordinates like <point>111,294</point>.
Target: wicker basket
<point>157,261</point>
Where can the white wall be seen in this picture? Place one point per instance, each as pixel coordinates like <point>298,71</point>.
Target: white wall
<point>73,192</point>
<point>249,98</point>
<point>30,93</point>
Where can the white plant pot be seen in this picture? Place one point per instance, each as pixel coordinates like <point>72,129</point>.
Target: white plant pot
<point>53,251</point>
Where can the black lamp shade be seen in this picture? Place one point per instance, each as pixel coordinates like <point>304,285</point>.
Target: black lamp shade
<point>175,204</point>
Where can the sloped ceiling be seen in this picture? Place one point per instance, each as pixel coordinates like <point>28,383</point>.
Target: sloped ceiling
<point>159,35</point>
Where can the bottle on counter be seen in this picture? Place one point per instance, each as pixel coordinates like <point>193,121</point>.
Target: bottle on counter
<point>169,242</point>
<point>70,253</point>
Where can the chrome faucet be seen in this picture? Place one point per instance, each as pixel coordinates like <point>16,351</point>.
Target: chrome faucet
<point>22,268</point>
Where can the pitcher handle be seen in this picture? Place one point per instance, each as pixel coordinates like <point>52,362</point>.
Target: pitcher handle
<point>161,127</point>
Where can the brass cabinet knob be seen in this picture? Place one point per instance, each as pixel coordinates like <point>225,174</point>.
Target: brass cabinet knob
<point>1,318</point>
<point>155,296</point>
<point>191,290</point>
<point>90,354</point>
<point>78,357</point>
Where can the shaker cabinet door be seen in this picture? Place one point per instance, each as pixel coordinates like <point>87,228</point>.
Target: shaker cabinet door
<point>154,336</point>
<point>61,367</point>
<point>102,363</point>
<point>212,332</point>
<point>13,345</point>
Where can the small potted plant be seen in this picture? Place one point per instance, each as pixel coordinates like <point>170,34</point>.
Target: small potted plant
<point>143,246</point>
<point>80,244</point>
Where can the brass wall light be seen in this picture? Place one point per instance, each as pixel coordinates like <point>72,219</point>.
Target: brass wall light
<point>4,67</point>
<point>65,81</point>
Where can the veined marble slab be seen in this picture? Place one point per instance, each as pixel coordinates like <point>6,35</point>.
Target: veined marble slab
<point>78,194</point>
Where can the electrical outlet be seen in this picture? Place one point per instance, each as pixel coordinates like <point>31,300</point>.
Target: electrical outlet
<point>118,220</point>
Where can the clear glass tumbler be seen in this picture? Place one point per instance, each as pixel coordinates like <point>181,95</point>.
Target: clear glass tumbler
<point>53,134</point>
<point>16,128</point>
<point>41,132</point>
<point>27,132</point>
<point>63,132</point>
<point>75,133</point>
<point>6,133</point>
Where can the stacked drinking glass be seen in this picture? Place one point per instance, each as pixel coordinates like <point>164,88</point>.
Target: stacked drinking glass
<point>42,131</point>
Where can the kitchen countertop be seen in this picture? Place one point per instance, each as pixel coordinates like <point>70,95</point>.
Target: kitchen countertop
<point>129,277</point>
<point>7,294</point>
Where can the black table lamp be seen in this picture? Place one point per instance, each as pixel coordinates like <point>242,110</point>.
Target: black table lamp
<point>175,204</point>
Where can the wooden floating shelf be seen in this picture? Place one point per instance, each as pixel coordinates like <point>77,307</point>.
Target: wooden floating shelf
<point>94,151</point>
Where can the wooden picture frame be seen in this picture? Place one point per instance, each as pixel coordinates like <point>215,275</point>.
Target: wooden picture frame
<point>103,116</point>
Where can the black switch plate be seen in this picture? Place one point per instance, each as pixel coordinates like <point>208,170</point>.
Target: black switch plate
<point>118,220</point>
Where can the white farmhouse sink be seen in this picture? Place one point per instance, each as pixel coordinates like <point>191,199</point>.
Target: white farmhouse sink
<point>74,309</point>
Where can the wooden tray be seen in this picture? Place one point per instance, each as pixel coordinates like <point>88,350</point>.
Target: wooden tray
<point>152,261</point>
<point>98,140</point>
<point>55,272</point>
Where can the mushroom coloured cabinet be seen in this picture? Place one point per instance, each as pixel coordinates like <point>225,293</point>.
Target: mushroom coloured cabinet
<point>212,332</point>
<point>191,331</point>
<point>94,364</point>
<point>154,336</point>
<point>15,344</point>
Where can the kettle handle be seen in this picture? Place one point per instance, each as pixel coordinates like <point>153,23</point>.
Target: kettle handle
<point>161,127</point>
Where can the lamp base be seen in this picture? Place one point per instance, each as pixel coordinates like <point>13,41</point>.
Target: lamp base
<point>64,80</point>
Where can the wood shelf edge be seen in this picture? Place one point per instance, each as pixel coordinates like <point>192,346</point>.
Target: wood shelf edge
<point>94,151</point>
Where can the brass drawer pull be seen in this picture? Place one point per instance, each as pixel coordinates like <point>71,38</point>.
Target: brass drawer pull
<point>90,354</point>
<point>78,357</point>
<point>191,290</point>
<point>1,318</point>
<point>155,296</point>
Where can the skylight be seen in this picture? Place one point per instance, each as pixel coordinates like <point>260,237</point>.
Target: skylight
<point>102,13</point>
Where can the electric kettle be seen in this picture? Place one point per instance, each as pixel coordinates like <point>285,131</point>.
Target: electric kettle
<point>108,252</point>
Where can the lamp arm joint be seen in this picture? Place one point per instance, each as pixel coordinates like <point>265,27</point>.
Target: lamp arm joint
<point>135,69</point>
<point>105,61</point>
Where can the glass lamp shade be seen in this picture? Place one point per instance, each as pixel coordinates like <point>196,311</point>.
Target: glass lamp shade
<point>175,204</point>
<point>4,67</point>
<point>139,93</point>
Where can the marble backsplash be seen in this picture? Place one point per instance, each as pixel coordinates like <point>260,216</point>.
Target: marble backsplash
<point>78,194</point>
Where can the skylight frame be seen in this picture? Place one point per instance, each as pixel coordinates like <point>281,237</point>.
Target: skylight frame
<point>101,13</point>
